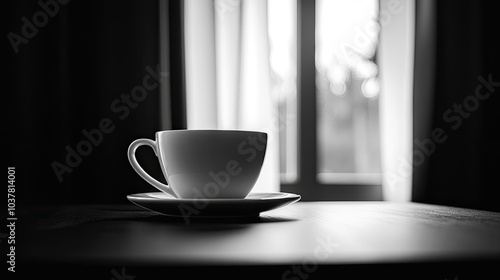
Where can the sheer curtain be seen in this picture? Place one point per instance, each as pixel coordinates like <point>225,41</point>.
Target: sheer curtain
<point>228,75</point>
<point>395,56</point>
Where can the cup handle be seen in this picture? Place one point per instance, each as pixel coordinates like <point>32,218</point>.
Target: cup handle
<point>135,164</point>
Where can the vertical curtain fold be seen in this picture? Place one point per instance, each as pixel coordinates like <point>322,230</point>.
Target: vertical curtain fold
<point>457,80</point>
<point>75,73</point>
<point>395,58</point>
<point>228,78</point>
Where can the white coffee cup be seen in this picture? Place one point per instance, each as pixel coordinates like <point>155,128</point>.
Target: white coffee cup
<point>205,163</point>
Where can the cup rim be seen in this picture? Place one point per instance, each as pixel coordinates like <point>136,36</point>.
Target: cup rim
<point>210,130</point>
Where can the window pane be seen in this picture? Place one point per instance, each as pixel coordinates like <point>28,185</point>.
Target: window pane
<point>347,91</point>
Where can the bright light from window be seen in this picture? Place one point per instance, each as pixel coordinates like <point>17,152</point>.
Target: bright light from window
<point>347,91</point>
<point>370,88</point>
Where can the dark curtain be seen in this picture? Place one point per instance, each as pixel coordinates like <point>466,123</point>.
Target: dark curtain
<point>456,104</point>
<point>81,86</point>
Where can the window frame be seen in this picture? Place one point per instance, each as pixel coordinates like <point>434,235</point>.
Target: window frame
<point>307,183</point>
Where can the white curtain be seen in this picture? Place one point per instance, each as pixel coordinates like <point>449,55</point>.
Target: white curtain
<point>396,76</point>
<point>228,75</point>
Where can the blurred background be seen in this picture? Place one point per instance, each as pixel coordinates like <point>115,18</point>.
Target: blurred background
<point>363,100</point>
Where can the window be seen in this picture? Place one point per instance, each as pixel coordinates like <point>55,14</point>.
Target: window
<point>312,73</point>
<point>335,116</point>
<point>348,138</point>
<point>354,92</point>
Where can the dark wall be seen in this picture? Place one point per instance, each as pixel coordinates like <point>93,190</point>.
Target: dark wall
<point>463,92</point>
<point>74,74</point>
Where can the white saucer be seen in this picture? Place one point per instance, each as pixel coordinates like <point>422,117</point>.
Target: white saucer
<point>252,205</point>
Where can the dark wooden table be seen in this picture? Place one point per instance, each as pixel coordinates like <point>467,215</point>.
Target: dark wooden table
<point>299,241</point>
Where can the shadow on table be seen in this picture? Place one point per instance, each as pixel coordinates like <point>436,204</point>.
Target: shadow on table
<point>58,217</point>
